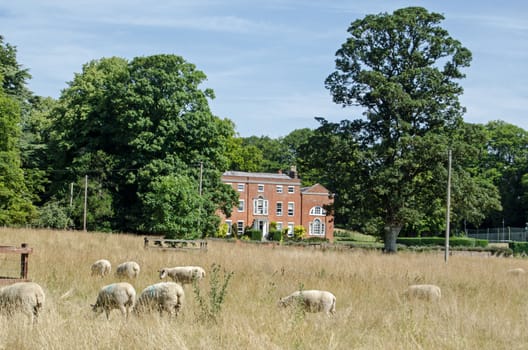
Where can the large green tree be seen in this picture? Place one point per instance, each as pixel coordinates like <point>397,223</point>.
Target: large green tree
<point>137,128</point>
<point>16,192</point>
<point>403,70</point>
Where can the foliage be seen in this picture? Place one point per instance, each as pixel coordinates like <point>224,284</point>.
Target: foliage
<point>54,214</point>
<point>253,234</point>
<point>388,170</point>
<point>222,231</point>
<point>136,127</point>
<point>209,309</point>
<point>440,241</point>
<point>274,235</point>
<point>518,248</point>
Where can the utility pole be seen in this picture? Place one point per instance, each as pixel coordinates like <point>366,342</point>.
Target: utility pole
<point>85,200</point>
<point>448,209</point>
<point>71,194</point>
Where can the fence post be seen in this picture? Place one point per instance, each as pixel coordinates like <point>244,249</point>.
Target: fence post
<point>24,259</point>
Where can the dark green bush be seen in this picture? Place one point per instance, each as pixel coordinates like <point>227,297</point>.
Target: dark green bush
<point>255,235</point>
<point>518,248</point>
<point>440,241</point>
<point>275,235</point>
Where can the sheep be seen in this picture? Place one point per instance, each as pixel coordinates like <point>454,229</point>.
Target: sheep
<point>428,292</point>
<point>27,297</point>
<point>101,268</point>
<point>311,301</point>
<point>163,296</point>
<point>129,269</point>
<point>517,271</point>
<point>121,295</point>
<point>183,274</point>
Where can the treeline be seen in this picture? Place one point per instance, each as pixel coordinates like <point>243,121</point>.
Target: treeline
<point>142,134</point>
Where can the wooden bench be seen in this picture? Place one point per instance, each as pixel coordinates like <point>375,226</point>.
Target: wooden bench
<point>24,252</point>
<point>175,244</point>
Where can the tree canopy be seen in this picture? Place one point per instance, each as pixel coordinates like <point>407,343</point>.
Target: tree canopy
<point>135,127</point>
<point>403,70</point>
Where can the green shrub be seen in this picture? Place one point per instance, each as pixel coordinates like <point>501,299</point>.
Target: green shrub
<point>440,241</point>
<point>519,248</point>
<point>253,234</point>
<point>275,235</point>
<point>209,306</point>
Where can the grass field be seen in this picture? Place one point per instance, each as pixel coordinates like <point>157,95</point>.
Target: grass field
<point>481,307</point>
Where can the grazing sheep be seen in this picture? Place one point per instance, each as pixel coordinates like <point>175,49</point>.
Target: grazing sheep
<point>183,274</point>
<point>428,292</point>
<point>168,296</point>
<point>129,269</point>
<point>120,296</point>
<point>27,297</point>
<point>101,267</point>
<point>517,271</point>
<point>311,300</point>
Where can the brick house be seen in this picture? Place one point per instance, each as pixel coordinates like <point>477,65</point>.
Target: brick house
<point>267,197</point>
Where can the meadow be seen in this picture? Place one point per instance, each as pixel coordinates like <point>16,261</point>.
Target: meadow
<point>482,307</point>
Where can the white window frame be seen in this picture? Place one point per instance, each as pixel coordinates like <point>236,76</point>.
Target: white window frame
<point>291,227</point>
<point>241,187</point>
<point>260,206</point>
<point>260,188</point>
<point>317,211</point>
<point>317,227</point>
<point>278,188</point>
<point>279,210</point>
<point>240,227</point>
<point>291,189</point>
<point>279,226</point>
<point>229,224</point>
<point>241,205</point>
<point>291,208</point>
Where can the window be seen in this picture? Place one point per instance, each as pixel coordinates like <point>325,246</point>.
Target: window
<point>278,211</point>
<point>279,226</point>
<point>279,188</point>
<point>317,211</point>
<point>240,228</point>
<point>291,208</point>
<point>260,206</point>
<point>241,205</point>
<point>317,228</point>
<point>229,224</point>
<point>261,188</point>
<point>240,187</point>
<point>291,189</point>
<point>290,229</point>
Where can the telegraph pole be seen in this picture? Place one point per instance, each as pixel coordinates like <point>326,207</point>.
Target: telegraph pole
<point>448,209</point>
<point>85,200</point>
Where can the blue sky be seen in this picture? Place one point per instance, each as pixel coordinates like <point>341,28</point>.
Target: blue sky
<point>266,60</point>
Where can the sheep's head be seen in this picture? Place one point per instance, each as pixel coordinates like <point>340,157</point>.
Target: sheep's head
<point>163,273</point>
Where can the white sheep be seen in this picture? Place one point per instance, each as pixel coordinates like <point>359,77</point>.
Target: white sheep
<point>183,274</point>
<point>27,297</point>
<point>163,296</point>
<point>129,269</point>
<point>311,300</point>
<point>517,271</point>
<point>428,292</point>
<point>101,268</point>
<point>121,295</point>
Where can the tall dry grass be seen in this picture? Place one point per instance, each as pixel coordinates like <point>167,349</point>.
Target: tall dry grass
<point>481,307</point>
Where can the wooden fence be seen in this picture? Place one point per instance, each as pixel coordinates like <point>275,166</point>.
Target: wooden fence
<point>24,252</point>
<point>175,244</point>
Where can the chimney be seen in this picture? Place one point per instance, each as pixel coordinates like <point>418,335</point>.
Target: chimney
<point>293,172</point>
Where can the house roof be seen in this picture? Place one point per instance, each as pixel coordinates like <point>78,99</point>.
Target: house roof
<point>315,189</point>
<point>259,175</point>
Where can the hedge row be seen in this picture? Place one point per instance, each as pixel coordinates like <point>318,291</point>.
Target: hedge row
<point>432,241</point>
<point>519,248</point>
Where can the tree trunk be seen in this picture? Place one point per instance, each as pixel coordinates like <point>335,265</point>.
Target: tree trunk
<point>391,233</point>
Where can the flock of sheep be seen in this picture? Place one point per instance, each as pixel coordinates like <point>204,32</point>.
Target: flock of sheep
<point>28,297</point>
